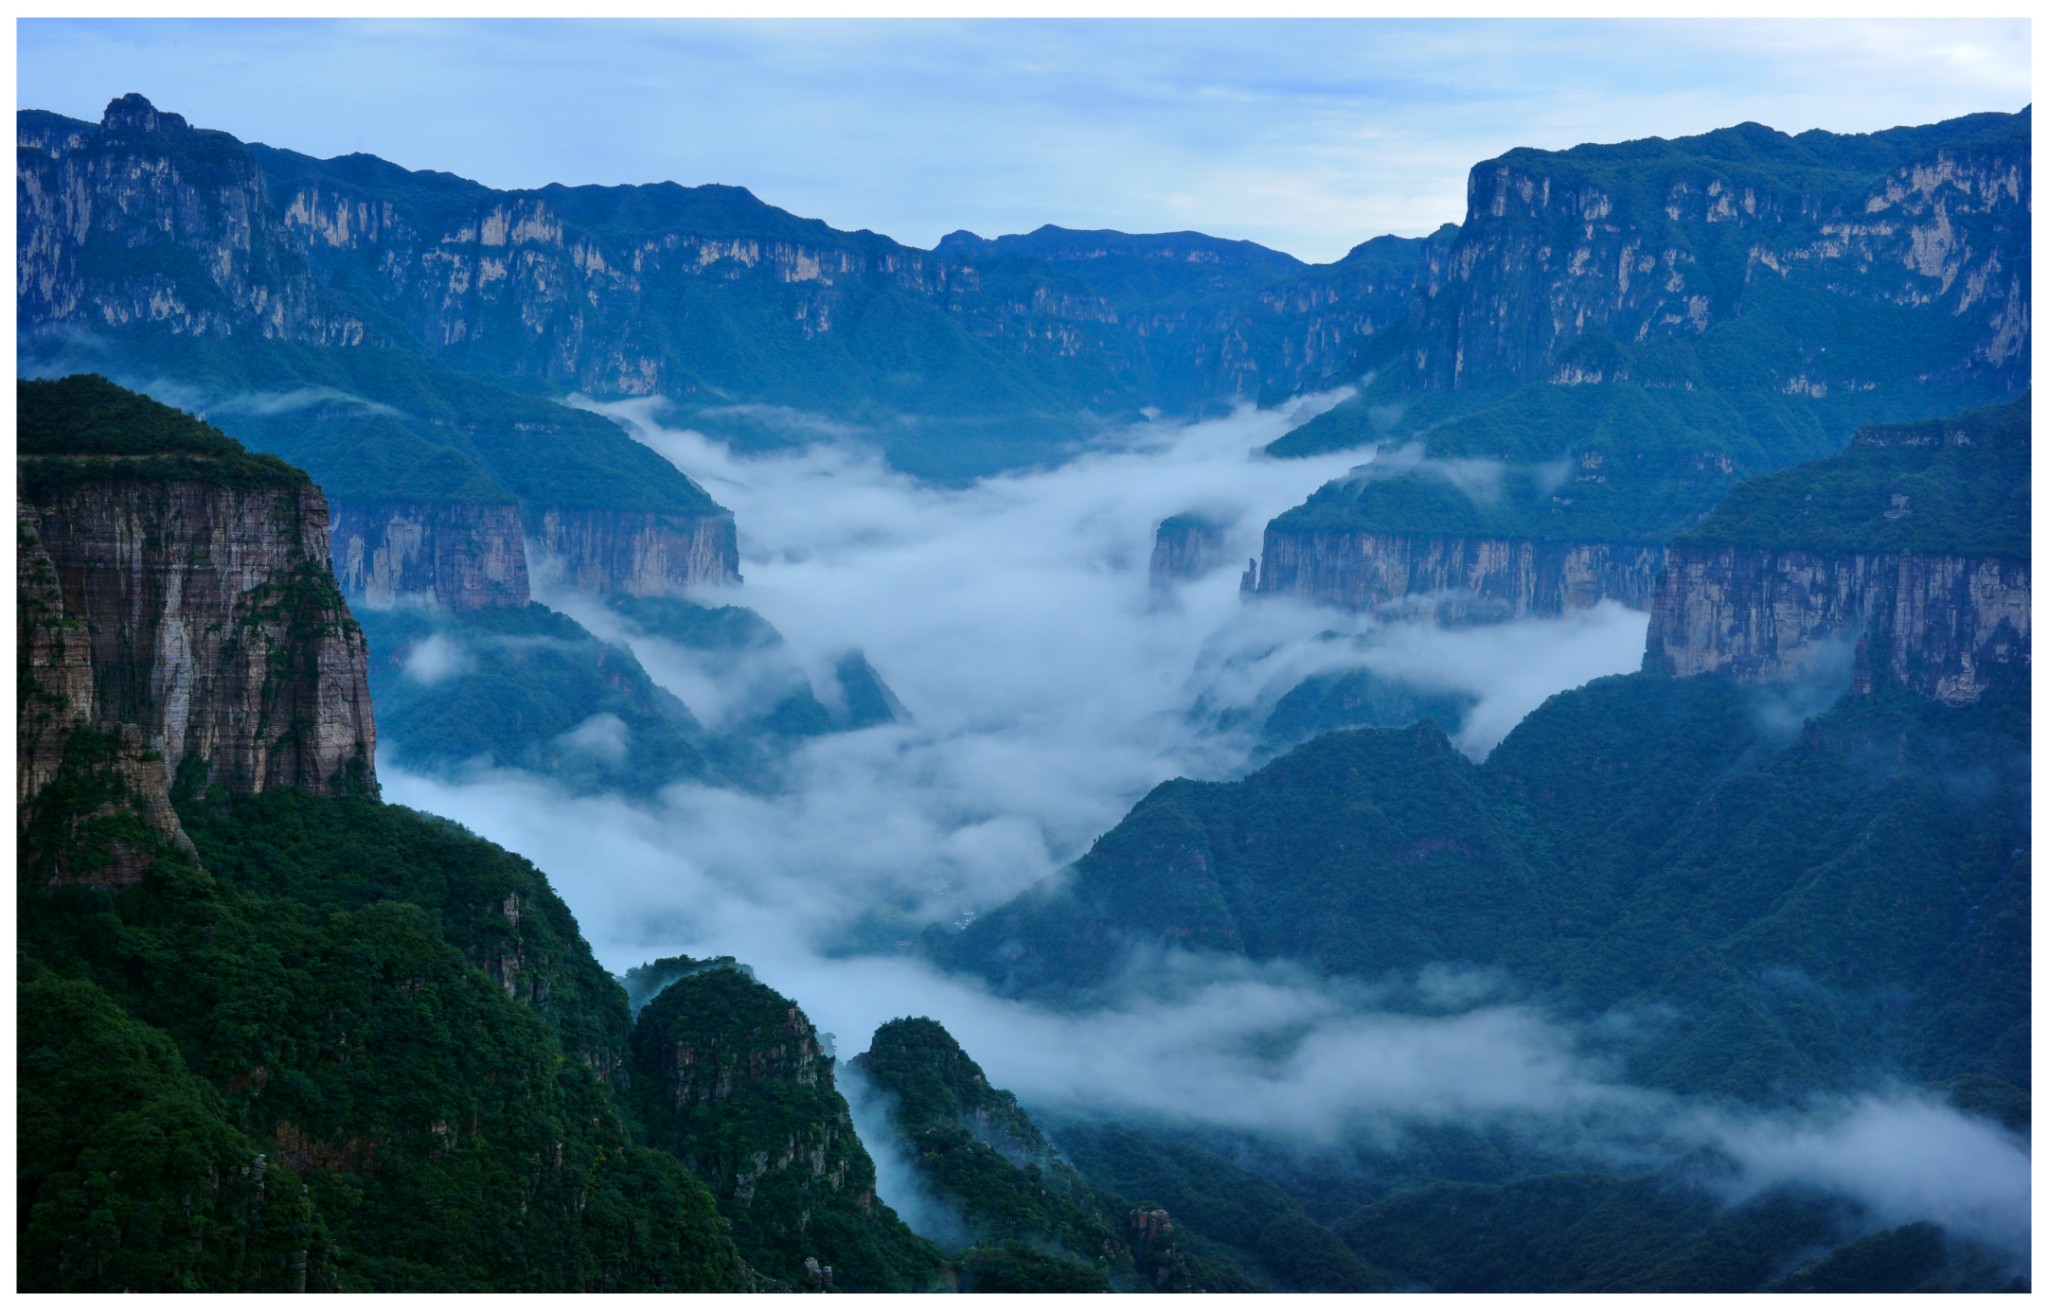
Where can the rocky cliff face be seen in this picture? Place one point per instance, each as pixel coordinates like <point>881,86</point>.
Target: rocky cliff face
<point>142,220</point>
<point>1664,240</point>
<point>177,618</point>
<point>167,241</point>
<point>454,557</point>
<point>211,624</point>
<point>1947,627</point>
<point>580,286</point>
<point>1911,549</point>
<point>1456,578</point>
<point>556,284</point>
<point>638,554</point>
<point>1186,547</point>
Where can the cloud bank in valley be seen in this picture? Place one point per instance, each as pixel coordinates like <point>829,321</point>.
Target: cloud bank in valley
<point>1049,690</point>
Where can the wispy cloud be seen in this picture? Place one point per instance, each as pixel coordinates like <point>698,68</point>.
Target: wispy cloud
<point>1015,618</point>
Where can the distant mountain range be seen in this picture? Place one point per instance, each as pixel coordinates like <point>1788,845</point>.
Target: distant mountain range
<point>279,1036</point>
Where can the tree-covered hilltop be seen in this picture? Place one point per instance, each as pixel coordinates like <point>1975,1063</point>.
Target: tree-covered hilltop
<point>527,687</point>
<point>1802,904</point>
<point>1957,486</point>
<point>381,424</point>
<point>1640,840</point>
<point>278,1035</point>
<point>1024,1219</point>
<point>1221,1212</point>
<point>730,1076</point>
<point>1598,1232</point>
<point>338,1045</point>
<point>80,427</point>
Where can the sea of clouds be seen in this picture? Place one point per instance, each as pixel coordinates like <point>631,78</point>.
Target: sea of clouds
<point>1049,686</point>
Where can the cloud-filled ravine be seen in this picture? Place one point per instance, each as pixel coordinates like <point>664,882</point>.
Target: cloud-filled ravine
<point>1048,687</point>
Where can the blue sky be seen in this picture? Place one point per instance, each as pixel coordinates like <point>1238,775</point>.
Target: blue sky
<point>1309,136</point>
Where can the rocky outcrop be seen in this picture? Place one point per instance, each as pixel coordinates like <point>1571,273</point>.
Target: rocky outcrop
<point>1157,1254</point>
<point>576,285</point>
<point>1910,549</point>
<point>636,553</point>
<point>736,1081</point>
<point>143,220</point>
<point>176,620</point>
<point>1944,626</point>
<point>1455,578</point>
<point>58,726</point>
<point>450,556</point>
<point>1186,547</point>
<point>210,624</point>
<point>1665,239</point>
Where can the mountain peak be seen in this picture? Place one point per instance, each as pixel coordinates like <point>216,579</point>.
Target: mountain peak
<point>135,111</point>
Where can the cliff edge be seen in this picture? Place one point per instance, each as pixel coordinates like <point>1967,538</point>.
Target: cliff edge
<point>1912,546</point>
<point>177,616</point>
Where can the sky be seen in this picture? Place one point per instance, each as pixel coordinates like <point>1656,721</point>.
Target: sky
<point>1309,136</point>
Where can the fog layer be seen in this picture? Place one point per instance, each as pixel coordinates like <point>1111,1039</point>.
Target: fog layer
<point>1049,688</point>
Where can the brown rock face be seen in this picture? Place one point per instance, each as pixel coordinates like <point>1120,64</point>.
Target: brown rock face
<point>638,553</point>
<point>1186,547</point>
<point>1548,253</point>
<point>201,618</point>
<point>1944,626</point>
<point>453,557</point>
<point>1462,579</point>
<point>215,261</point>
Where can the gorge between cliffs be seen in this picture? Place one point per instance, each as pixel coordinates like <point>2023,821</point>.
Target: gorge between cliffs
<point>621,738</point>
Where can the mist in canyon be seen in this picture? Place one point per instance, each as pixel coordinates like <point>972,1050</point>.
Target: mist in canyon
<point>1048,686</point>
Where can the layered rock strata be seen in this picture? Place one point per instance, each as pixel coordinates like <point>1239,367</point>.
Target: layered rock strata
<point>1944,626</point>
<point>452,557</point>
<point>1186,547</point>
<point>143,220</point>
<point>1458,579</point>
<point>635,552</point>
<point>203,618</point>
<point>1666,239</point>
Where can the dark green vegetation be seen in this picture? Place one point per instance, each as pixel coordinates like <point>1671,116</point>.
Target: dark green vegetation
<point>1033,1223</point>
<point>1852,900</point>
<point>1226,1212</point>
<point>1767,907</point>
<point>731,1077</point>
<point>1326,703</point>
<point>78,428</point>
<point>382,424</point>
<point>1593,1233</point>
<point>740,648</point>
<point>345,1046</point>
<point>1609,462</point>
<point>530,688</point>
<point>1452,1211</point>
<point>1959,486</point>
<point>1025,1220</point>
